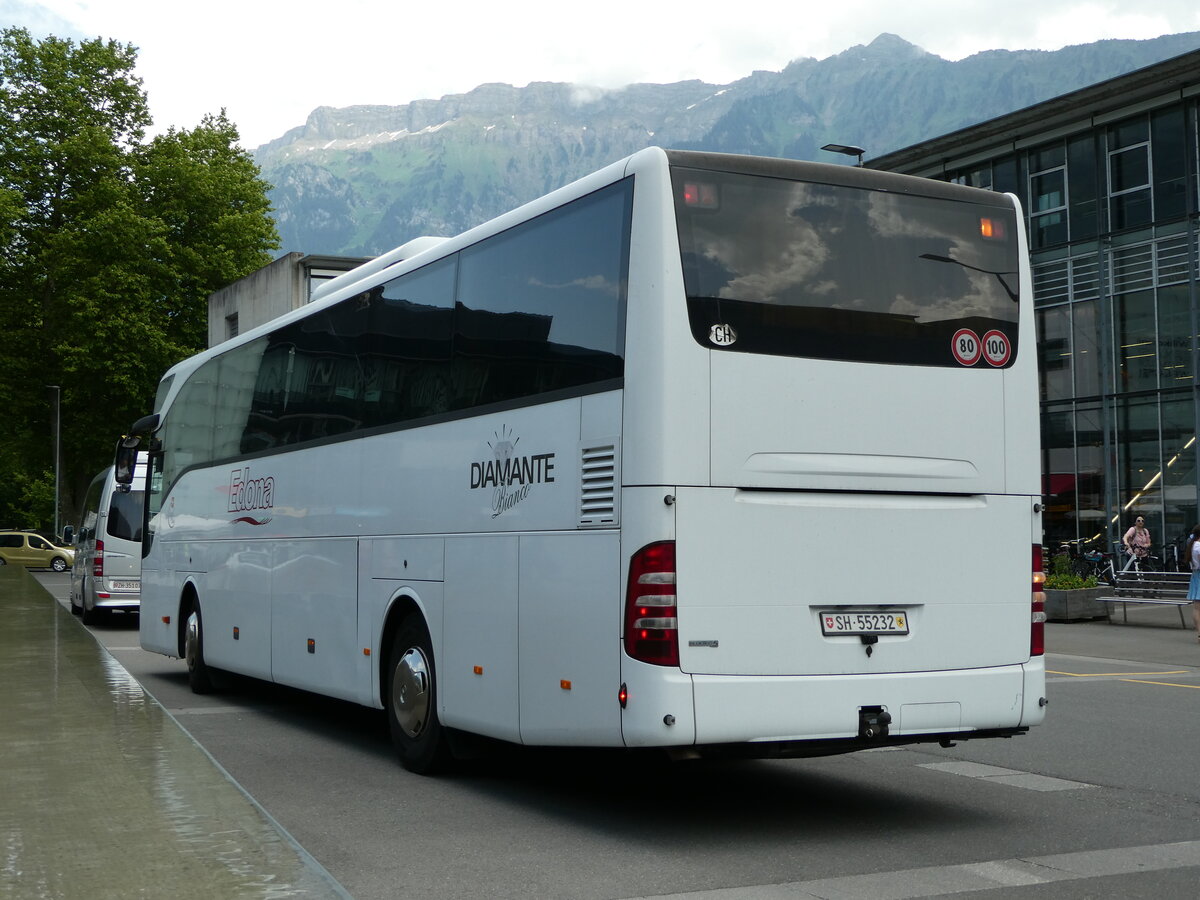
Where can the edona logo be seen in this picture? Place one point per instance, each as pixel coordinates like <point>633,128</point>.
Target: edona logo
<point>510,475</point>
<point>247,494</point>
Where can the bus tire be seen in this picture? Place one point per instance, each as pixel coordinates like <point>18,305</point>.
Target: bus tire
<point>200,677</point>
<point>417,735</point>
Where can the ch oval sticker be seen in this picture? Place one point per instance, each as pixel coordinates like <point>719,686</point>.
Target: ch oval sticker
<point>722,335</point>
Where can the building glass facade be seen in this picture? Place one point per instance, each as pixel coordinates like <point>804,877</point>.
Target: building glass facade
<point>1111,207</point>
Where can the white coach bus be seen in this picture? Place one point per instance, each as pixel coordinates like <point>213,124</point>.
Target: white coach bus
<point>718,454</point>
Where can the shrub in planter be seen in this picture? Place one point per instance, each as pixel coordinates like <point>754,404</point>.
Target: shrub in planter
<point>1070,597</point>
<point>1067,581</point>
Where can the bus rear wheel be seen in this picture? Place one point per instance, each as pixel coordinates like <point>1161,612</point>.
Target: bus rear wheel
<point>200,678</point>
<point>417,735</point>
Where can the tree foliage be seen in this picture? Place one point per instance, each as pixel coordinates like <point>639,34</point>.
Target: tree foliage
<point>111,246</point>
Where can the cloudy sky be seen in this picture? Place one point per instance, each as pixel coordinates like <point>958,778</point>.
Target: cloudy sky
<point>270,63</point>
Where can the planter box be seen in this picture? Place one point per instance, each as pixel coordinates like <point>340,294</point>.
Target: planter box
<point>1070,606</point>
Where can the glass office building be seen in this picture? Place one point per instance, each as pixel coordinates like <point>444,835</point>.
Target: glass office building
<point>1108,177</point>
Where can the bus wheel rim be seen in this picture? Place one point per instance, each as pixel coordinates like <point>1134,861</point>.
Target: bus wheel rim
<point>410,692</point>
<point>192,641</point>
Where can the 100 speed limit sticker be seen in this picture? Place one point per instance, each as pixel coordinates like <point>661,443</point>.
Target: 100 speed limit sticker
<point>968,347</point>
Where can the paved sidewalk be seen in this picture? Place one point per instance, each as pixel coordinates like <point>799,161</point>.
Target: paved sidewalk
<point>1153,635</point>
<point>104,795</point>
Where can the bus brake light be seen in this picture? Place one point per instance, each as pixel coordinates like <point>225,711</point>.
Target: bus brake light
<point>651,626</point>
<point>700,195</point>
<point>98,561</point>
<point>1037,620</point>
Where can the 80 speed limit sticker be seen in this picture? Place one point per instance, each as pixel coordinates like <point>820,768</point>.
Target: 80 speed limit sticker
<point>966,347</point>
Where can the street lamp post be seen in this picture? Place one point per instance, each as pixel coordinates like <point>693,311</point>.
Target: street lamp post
<point>847,149</point>
<point>57,455</point>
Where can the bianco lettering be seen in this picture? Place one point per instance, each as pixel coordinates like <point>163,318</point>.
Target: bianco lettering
<point>505,499</point>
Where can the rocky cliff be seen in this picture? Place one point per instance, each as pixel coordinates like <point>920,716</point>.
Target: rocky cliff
<point>363,179</point>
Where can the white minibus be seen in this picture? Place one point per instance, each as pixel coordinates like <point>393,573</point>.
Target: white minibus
<point>106,575</point>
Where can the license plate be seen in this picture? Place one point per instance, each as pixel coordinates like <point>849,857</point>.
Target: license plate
<point>879,621</point>
<point>125,585</point>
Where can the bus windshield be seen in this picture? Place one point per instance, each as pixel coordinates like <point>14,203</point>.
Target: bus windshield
<point>833,272</point>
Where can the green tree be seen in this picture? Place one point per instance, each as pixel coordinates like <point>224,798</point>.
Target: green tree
<point>112,245</point>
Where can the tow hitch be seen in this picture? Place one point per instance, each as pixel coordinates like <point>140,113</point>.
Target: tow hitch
<point>873,722</point>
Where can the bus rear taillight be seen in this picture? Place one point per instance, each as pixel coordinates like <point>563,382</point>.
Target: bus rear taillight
<point>651,626</point>
<point>701,195</point>
<point>1037,627</point>
<point>98,562</point>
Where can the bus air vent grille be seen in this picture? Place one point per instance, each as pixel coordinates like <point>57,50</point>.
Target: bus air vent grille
<point>598,485</point>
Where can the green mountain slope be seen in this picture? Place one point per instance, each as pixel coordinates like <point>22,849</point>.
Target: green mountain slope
<point>361,180</point>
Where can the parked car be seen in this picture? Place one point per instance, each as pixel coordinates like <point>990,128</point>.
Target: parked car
<point>29,549</point>
<point>107,572</point>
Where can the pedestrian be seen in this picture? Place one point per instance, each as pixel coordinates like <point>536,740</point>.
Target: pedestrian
<point>1136,541</point>
<point>1193,555</point>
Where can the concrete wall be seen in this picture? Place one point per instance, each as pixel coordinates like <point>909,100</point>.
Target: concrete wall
<point>259,297</point>
<point>273,290</point>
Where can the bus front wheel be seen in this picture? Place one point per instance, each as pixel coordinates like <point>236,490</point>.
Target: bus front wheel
<point>417,734</point>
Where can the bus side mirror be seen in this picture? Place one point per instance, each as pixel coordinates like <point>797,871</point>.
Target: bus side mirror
<point>126,459</point>
<point>68,536</point>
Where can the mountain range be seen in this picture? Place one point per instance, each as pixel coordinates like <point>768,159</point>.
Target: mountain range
<point>360,180</point>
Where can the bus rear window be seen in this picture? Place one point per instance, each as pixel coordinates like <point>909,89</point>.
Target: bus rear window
<point>833,272</point>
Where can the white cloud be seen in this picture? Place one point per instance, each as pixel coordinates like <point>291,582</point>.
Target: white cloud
<point>270,63</point>
<point>1088,22</point>
<point>39,18</point>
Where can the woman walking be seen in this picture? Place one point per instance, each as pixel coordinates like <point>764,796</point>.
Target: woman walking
<point>1137,542</point>
<point>1193,555</point>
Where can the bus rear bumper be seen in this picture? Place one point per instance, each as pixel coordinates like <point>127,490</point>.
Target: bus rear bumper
<point>130,602</point>
<point>787,711</point>
<point>829,707</point>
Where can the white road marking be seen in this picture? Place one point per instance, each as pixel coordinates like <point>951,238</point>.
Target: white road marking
<point>934,881</point>
<point>1012,777</point>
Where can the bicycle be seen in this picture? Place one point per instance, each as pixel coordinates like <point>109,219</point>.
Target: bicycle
<point>1096,564</point>
<point>1142,564</point>
<point>1139,566</point>
<point>1108,572</point>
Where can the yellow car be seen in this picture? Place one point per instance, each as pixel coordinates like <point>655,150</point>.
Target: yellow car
<point>24,548</point>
